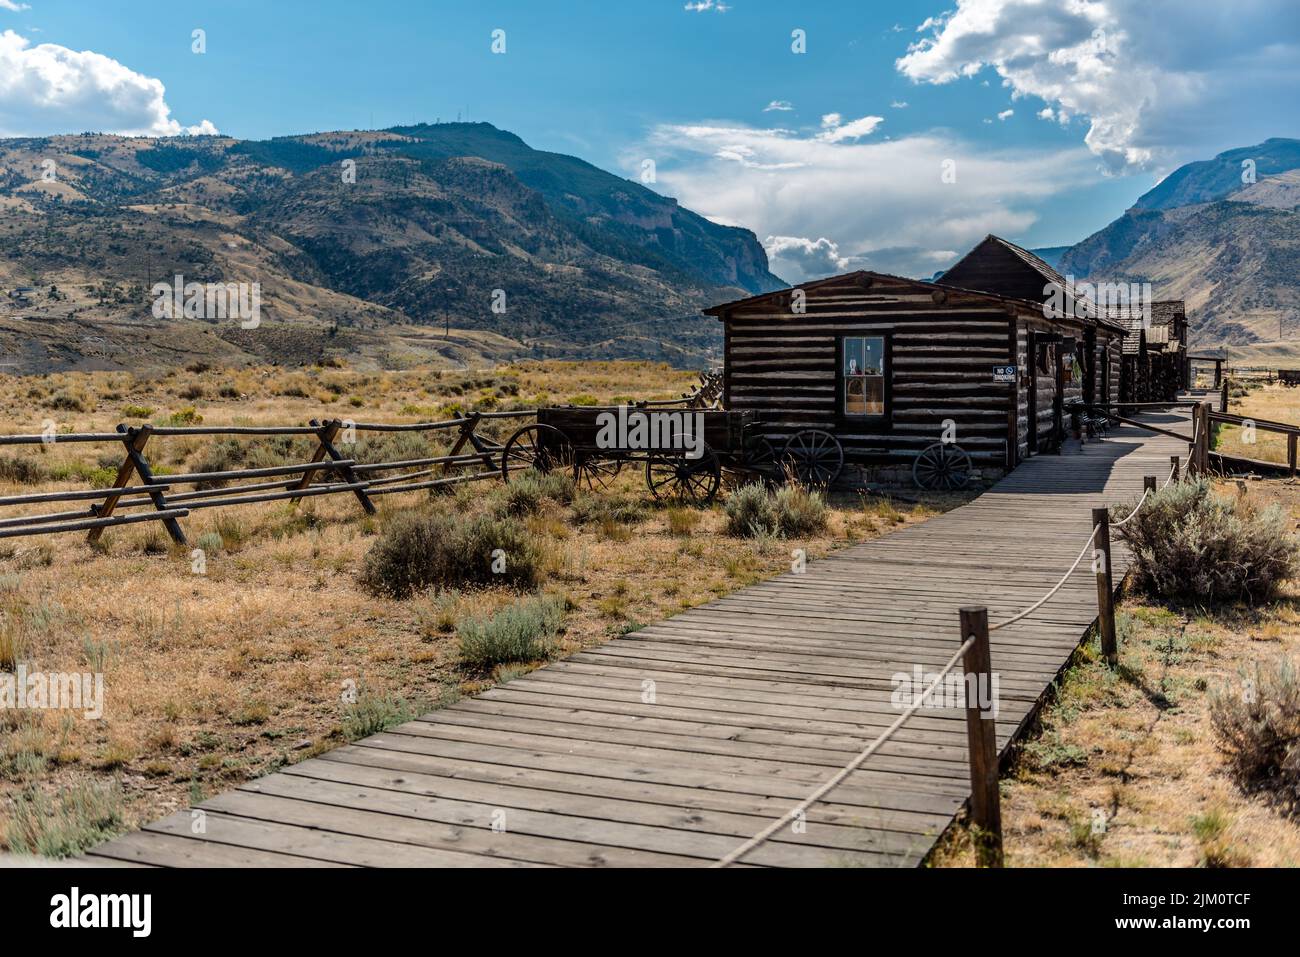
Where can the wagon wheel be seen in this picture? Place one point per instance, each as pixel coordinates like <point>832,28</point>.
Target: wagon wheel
<point>942,467</point>
<point>596,473</point>
<point>541,447</point>
<point>760,456</point>
<point>815,457</point>
<point>673,475</point>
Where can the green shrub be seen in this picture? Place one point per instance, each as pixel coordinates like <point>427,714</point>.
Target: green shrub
<point>186,416</point>
<point>519,632</point>
<point>210,542</point>
<point>83,817</point>
<point>749,511</point>
<point>525,494</point>
<point>419,549</point>
<point>24,471</point>
<point>137,412</point>
<point>1190,543</point>
<point>373,713</point>
<point>799,511</point>
<point>1258,725</point>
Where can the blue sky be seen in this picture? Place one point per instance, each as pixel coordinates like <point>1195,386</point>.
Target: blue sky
<point>833,156</point>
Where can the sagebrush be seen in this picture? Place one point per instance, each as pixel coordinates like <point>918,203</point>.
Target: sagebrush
<point>1190,543</point>
<point>793,510</point>
<point>522,631</point>
<point>419,549</point>
<point>1258,725</point>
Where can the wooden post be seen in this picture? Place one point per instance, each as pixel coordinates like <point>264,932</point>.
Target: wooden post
<point>1291,451</point>
<point>1223,396</point>
<point>325,435</point>
<point>1149,484</point>
<point>134,440</point>
<point>1105,588</point>
<point>1218,373</point>
<point>349,474</point>
<point>981,737</point>
<point>1205,438</point>
<point>466,435</point>
<point>1173,465</point>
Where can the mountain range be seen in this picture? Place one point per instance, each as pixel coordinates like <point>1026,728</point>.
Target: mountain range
<point>452,240</point>
<point>1222,234</point>
<point>458,242</point>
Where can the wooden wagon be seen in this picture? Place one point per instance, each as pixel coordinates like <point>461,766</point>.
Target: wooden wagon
<point>1289,377</point>
<point>685,451</point>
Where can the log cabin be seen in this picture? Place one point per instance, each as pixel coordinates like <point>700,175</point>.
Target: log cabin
<point>890,365</point>
<point>1156,364</point>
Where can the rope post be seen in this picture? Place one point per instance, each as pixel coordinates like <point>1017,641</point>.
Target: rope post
<point>1105,590</point>
<point>1173,463</point>
<point>1149,484</point>
<point>981,737</point>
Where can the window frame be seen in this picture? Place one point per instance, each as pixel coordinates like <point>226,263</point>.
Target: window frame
<point>841,380</point>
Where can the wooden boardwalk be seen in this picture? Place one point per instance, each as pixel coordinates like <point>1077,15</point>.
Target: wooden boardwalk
<point>672,745</point>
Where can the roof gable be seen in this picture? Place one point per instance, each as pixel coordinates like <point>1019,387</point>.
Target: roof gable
<point>1004,268</point>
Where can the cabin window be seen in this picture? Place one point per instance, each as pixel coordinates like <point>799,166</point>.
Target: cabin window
<point>863,375</point>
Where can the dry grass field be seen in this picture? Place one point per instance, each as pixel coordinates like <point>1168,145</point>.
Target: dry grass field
<point>1126,768</point>
<point>214,678</point>
<point>1271,402</point>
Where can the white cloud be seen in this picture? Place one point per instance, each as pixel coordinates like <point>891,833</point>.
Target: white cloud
<point>702,5</point>
<point>1046,113</point>
<point>1006,115</point>
<point>783,106</point>
<point>899,104</point>
<point>47,89</point>
<point>12,5</point>
<point>836,205</point>
<point>835,130</point>
<point>813,258</point>
<point>1160,81</point>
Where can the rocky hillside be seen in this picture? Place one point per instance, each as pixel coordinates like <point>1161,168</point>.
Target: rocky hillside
<point>1231,249</point>
<point>353,237</point>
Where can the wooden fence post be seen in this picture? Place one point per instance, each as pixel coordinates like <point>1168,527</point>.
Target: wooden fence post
<point>1223,396</point>
<point>1173,463</point>
<point>981,737</point>
<point>1291,451</point>
<point>327,435</point>
<point>1105,589</point>
<point>1149,484</point>
<point>467,437</point>
<point>134,440</point>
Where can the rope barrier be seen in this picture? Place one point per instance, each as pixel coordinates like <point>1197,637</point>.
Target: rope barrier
<point>764,835</point>
<point>1055,588</point>
<point>1173,470</point>
<point>1060,584</point>
<point>1130,515</point>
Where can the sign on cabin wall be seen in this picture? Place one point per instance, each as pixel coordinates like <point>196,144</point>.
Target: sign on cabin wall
<point>1004,373</point>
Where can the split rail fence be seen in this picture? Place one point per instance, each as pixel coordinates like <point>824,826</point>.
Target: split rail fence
<point>327,472</point>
